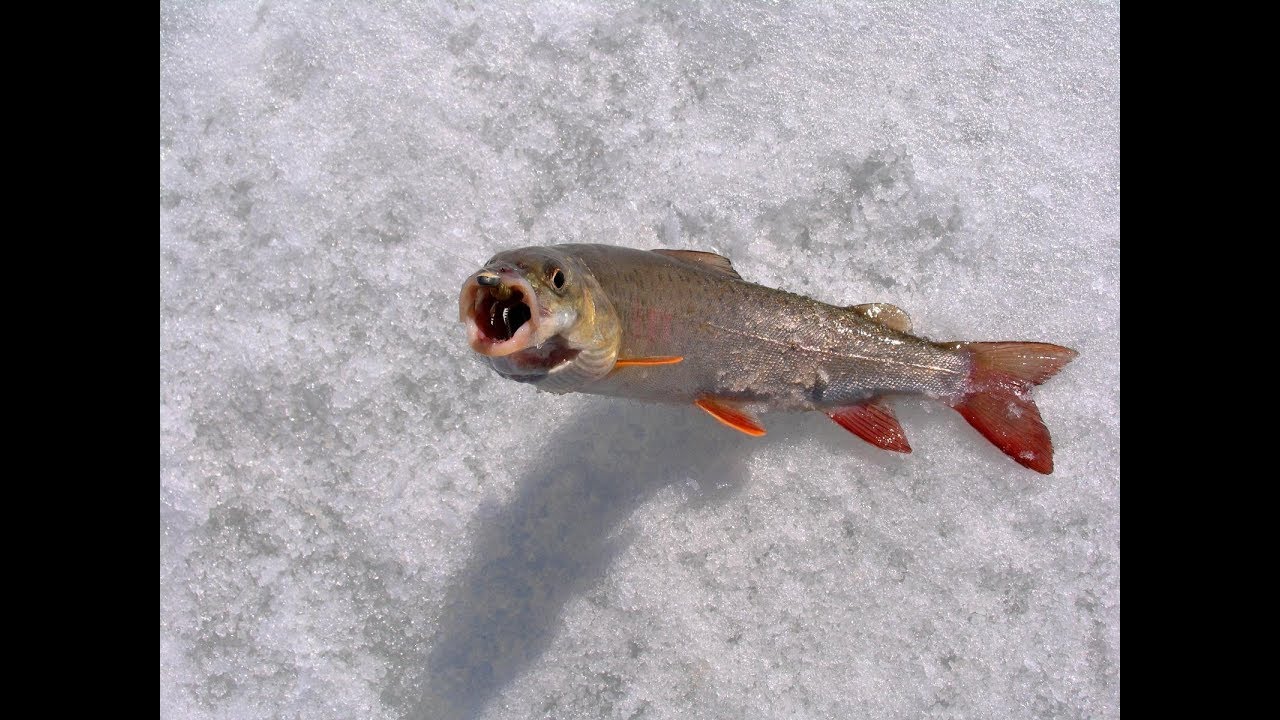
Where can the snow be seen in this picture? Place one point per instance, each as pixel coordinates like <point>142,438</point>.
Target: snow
<point>358,519</point>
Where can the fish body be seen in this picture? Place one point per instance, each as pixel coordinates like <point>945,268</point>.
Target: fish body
<point>682,327</point>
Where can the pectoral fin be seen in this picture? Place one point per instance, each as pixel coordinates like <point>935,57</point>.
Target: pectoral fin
<point>874,422</point>
<point>891,316</point>
<point>730,414</point>
<point>647,361</point>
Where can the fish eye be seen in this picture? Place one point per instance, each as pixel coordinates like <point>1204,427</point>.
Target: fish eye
<point>557,278</point>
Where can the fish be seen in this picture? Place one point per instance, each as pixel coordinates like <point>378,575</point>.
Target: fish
<point>683,327</point>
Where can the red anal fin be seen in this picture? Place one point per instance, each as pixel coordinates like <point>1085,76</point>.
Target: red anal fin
<point>647,361</point>
<point>731,415</point>
<point>874,422</point>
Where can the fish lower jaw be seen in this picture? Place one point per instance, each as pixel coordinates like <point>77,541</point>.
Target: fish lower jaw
<point>536,362</point>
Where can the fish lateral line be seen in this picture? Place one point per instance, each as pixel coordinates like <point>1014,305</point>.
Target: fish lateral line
<point>829,353</point>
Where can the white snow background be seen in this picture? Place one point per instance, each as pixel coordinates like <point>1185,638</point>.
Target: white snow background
<point>359,520</point>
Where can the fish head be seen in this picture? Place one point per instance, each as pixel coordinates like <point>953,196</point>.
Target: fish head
<point>539,316</point>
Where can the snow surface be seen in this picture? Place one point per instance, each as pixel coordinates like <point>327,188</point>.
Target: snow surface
<point>359,520</point>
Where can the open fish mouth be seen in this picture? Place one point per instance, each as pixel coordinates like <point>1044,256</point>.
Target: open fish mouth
<point>501,313</point>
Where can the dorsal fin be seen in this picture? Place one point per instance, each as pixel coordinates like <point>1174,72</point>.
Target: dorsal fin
<point>891,316</point>
<point>708,260</point>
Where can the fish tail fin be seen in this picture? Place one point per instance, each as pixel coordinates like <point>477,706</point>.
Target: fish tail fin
<point>997,400</point>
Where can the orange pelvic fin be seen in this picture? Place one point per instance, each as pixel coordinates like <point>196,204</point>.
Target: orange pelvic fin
<point>730,414</point>
<point>874,422</point>
<point>647,361</point>
<point>998,402</point>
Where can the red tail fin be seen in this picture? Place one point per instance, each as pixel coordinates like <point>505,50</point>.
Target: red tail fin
<point>998,403</point>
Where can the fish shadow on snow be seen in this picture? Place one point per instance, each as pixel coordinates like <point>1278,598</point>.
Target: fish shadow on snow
<point>557,537</point>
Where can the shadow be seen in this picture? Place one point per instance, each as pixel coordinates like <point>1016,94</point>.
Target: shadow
<point>556,538</point>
